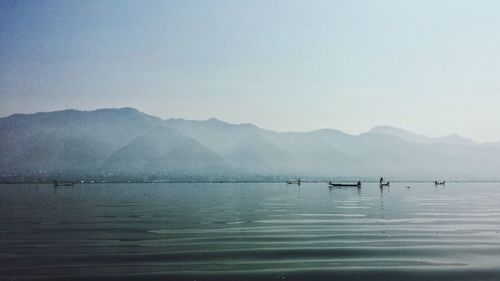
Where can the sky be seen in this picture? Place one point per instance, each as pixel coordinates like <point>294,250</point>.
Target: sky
<point>431,67</point>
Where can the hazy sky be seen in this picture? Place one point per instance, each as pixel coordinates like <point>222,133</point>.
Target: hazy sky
<point>432,67</point>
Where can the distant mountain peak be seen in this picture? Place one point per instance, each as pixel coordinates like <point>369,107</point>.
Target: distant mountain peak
<point>216,121</point>
<point>455,139</point>
<point>388,128</point>
<point>120,110</point>
<point>329,132</point>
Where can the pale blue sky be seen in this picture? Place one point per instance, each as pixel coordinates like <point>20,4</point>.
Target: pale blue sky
<point>432,67</point>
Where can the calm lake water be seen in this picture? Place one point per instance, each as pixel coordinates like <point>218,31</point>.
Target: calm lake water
<point>235,231</point>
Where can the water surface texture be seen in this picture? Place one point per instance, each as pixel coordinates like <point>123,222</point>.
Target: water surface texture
<point>234,231</point>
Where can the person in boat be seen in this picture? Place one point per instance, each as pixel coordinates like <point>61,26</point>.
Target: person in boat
<point>359,183</point>
<point>381,180</point>
<point>298,181</point>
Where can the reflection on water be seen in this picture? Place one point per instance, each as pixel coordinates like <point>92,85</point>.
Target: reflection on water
<point>250,231</point>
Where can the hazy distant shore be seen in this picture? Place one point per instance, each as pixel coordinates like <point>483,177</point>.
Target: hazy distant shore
<point>243,181</point>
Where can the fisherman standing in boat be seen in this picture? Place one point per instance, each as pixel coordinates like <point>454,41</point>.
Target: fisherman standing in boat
<point>381,180</point>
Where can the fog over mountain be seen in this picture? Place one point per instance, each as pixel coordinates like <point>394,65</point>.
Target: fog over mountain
<point>117,144</point>
<point>411,137</point>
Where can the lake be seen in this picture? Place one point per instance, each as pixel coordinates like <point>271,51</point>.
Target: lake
<point>250,231</point>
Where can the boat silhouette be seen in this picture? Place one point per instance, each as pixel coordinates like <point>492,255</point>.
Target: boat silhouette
<point>56,184</point>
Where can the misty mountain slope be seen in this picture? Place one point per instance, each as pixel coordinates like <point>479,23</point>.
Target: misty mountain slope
<point>69,141</point>
<point>217,135</point>
<point>478,162</point>
<point>165,151</point>
<point>250,149</point>
<point>411,137</point>
<point>245,147</point>
<point>112,127</point>
<point>319,152</point>
<point>439,160</point>
<point>368,155</point>
<point>258,157</point>
<point>395,157</point>
<point>97,122</point>
<point>49,153</point>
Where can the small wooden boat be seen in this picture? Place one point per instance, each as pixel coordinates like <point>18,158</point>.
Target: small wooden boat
<point>439,182</point>
<point>293,182</point>
<point>382,184</point>
<point>357,184</point>
<point>56,184</point>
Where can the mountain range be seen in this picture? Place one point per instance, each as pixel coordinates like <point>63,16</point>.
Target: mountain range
<point>126,144</point>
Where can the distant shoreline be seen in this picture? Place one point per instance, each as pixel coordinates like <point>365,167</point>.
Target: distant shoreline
<point>225,182</point>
